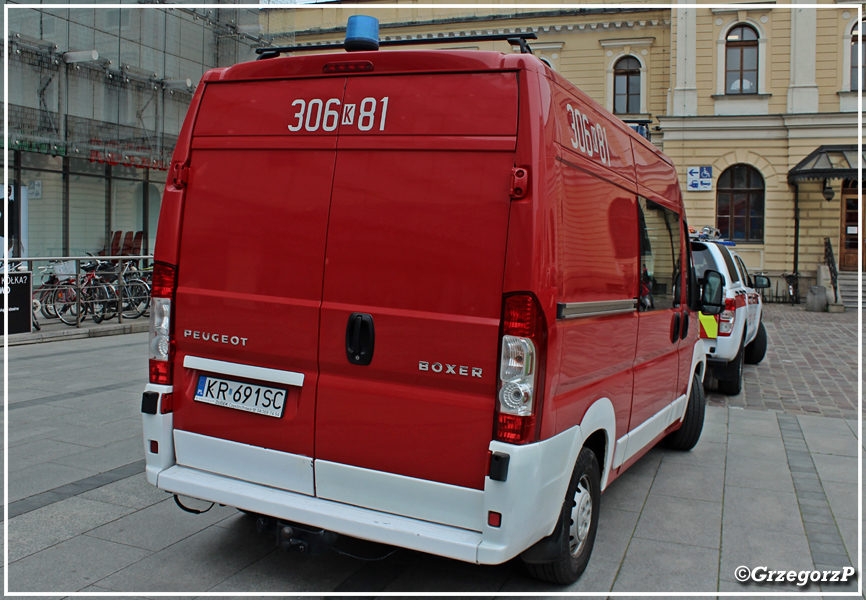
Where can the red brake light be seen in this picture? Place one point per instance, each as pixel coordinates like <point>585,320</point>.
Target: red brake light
<point>520,316</point>
<point>164,280</point>
<point>523,346</point>
<point>357,66</point>
<point>160,371</point>
<point>514,429</point>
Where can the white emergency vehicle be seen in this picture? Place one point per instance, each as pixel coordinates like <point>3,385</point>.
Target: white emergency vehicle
<point>737,335</point>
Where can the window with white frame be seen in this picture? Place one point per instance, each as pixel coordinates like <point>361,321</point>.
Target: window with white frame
<point>741,61</point>
<point>857,56</point>
<point>626,86</point>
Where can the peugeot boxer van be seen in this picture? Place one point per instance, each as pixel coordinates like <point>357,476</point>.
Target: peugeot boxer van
<point>433,299</point>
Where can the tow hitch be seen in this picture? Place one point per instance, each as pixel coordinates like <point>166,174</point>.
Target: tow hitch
<point>293,537</point>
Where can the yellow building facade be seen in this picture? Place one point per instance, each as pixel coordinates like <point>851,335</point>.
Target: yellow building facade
<point>737,97</point>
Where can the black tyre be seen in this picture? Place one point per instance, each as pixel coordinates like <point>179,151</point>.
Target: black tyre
<point>731,380</point>
<point>757,349</point>
<point>46,302</point>
<point>687,436</point>
<point>96,300</point>
<point>579,518</point>
<point>64,304</point>
<point>136,298</point>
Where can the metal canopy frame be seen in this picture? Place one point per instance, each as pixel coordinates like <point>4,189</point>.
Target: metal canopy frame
<point>827,162</point>
<point>838,161</point>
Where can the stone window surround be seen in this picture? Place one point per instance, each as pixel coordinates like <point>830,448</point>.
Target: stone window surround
<point>728,104</point>
<point>625,46</point>
<point>720,53</point>
<point>848,98</point>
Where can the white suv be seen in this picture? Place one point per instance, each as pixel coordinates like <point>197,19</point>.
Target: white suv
<point>736,335</point>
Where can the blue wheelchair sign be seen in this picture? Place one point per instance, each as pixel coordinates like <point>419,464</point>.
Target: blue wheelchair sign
<point>706,173</point>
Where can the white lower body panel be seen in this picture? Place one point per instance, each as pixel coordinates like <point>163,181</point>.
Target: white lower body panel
<point>343,518</point>
<point>383,507</point>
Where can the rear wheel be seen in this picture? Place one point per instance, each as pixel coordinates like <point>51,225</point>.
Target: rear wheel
<point>731,380</point>
<point>136,297</point>
<point>757,349</point>
<point>46,302</point>
<point>579,518</point>
<point>98,301</point>
<point>64,304</point>
<point>687,436</point>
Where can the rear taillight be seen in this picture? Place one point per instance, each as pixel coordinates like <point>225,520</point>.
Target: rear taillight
<point>164,280</point>
<point>161,343</point>
<point>727,317</point>
<point>520,369</point>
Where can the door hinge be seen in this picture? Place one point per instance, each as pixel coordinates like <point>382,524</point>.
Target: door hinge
<point>180,175</point>
<point>519,183</point>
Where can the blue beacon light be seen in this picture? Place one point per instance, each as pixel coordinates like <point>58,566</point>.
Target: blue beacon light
<point>362,33</point>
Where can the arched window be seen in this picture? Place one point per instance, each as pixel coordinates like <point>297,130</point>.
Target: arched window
<point>857,56</point>
<point>740,204</point>
<point>741,61</point>
<point>626,86</point>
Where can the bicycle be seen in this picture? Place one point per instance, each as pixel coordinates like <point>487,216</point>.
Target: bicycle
<point>793,281</point>
<point>94,296</point>
<point>134,292</point>
<point>53,275</point>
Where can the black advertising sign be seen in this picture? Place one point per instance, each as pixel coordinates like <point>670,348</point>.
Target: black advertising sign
<point>16,287</point>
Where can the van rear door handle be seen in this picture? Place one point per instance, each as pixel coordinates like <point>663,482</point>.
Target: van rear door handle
<point>360,339</point>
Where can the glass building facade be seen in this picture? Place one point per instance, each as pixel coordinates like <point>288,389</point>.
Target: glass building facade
<point>97,97</point>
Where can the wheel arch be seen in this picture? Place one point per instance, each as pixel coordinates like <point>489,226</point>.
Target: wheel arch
<point>598,430</point>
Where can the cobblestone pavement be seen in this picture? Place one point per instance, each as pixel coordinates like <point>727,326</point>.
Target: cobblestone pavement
<point>810,367</point>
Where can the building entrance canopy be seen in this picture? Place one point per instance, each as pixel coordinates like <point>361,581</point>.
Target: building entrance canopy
<point>827,162</point>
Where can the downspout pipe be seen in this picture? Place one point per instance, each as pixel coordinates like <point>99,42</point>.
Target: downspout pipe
<point>796,227</point>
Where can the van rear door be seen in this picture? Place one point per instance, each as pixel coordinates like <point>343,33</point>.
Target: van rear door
<point>414,271</point>
<point>251,260</point>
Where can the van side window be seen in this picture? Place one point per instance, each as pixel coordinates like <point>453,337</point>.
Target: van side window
<point>660,256</point>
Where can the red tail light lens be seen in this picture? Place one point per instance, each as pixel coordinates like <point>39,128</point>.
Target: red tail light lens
<point>521,370</point>
<point>520,316</point>
<point>161,344</point>
<point>514,429</point>
<point>727,317</point>
<point>164,280</point>
<point>159,371</point>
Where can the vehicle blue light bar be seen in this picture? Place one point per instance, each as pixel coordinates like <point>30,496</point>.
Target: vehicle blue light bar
<point>362,33</point>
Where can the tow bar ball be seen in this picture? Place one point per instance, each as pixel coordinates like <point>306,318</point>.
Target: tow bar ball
<point>292,538</point>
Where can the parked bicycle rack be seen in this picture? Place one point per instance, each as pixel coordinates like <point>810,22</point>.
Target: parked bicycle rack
<point>62,272</point>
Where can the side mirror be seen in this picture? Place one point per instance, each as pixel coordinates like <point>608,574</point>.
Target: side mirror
<point>761,282</point>
<point>712,286</point>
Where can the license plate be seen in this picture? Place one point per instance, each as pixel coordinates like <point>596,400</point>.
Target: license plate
<point>241,396</point>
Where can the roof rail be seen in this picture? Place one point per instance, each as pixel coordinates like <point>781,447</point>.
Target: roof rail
<point>515,39</point>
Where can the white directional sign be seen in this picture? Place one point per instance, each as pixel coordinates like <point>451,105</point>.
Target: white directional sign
<point>699,179</point>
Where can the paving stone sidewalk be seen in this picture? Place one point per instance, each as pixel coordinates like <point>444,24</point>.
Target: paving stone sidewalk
<point>810,367</point>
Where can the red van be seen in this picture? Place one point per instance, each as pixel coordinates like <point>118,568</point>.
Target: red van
<point>434,299</point>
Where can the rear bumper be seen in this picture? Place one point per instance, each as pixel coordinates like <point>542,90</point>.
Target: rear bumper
<point>420,515</point>
<point>350,520</point>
